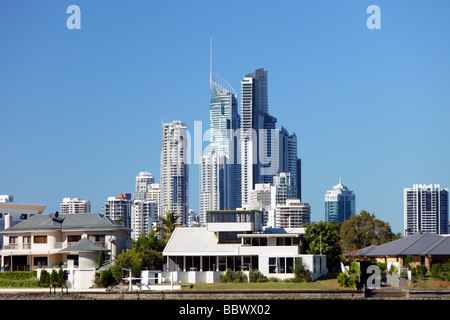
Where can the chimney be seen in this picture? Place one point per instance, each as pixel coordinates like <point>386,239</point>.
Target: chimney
<point>7,221</point>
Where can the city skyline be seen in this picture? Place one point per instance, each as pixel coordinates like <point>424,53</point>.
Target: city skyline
<point>360,101</point>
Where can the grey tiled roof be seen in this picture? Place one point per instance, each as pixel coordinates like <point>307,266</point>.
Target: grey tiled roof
<point>75,221</point>
<point>84,245</point>
<point>419,244</point>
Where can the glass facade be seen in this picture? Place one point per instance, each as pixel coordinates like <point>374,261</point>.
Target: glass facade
<point>340,204</point>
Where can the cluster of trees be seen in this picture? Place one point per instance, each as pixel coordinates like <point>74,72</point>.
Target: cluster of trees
<point>53,279</point>
<point>333,240</point>
<point>146,253</point>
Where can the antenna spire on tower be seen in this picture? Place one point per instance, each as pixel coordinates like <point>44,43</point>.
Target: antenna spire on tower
<point>210,63</point>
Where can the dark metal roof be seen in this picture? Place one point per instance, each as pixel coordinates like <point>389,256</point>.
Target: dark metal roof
<point>419,244</point>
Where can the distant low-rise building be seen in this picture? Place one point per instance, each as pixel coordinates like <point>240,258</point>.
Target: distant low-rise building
<point>75,205</point>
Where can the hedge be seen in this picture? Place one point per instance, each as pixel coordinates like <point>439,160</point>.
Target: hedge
<point>18,275</point>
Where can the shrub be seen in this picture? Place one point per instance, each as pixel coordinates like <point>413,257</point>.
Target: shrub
<point>342,279</point>
<point>352,280</point>
<point>382,266</point>
<point>301,274</point>
<point>240,277</point>
<point>435,271</point>
<point>421,271</point>
<point>256,276</point>
<point>44,280</point>
<point>104,279</point>
<point>228,276</point>
<point>18,275</point>
<point>393,269</point>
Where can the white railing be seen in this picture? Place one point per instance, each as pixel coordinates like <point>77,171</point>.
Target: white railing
<point>54,245</point>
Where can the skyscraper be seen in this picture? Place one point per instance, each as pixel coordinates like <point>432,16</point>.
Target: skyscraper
<point>288,161</point>
<point>425,209</point>
<point>339,203</point>
<point>258,137</point>
<point>143,182</point>
<point>174,183</point>
<point>219,167</point>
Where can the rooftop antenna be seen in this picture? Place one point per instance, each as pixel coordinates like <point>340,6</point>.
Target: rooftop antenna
<point>210,63</point>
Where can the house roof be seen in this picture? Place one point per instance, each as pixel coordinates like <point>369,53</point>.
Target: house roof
<point>84,245</point>
<point>196,241</point>
<point>419,244</point>
<point>65,222</point>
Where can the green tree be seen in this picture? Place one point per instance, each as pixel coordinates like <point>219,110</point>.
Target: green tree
<point>130,259</point>
<point>168,225</point>
<point>151,247</point>
<point>61,278</point>
<point>324,237</point>
<point>44,279</point>
<point>101,258</point>
<point>301,274</point>
<point>54,278</point>
<point>363,230</point>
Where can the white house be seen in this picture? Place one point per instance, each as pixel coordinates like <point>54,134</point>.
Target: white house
<point>234,239</point>
<point>70,241</point>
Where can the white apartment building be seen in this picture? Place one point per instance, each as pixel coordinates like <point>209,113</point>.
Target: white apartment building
<point>143,182</point>
<point>174,170</point>
<point>293,214</point>
<point>211,169</point>
<point>235,239</point>
<point>425,209</point>
<point>261,199</point>
<point>118,209</point>
<point>154,194</point>
<point>75,205</point>
<point>144,214</point>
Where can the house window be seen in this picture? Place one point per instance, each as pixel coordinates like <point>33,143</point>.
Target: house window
<point>40,239</point>
<point>272,265</point>
<point>74,238</point>
<point>281,265</point>
<point>40,261</point>
<point>13,240</point>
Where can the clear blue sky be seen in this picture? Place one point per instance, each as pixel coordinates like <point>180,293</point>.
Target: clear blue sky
<point>81,110</point>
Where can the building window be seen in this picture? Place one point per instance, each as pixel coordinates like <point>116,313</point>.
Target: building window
<point>272,265</point>
<point>74,238</point>
<point>40,261</point>
<point>281,265</point>
<point>40,239</point>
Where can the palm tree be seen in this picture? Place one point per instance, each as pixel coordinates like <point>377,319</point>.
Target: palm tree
<point>168,225</point>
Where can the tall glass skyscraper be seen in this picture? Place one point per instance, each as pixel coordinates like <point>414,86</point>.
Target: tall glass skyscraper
<point>265,151</point>
<point>219,168</point>
<point>339,203</point>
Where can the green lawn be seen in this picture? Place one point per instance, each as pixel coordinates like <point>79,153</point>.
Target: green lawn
<point>329,283</point>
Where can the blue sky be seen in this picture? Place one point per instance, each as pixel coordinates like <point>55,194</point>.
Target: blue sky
<point>81,110</point>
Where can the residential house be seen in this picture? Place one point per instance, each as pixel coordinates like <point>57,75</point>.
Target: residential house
<point>71,241</point>
<point>235,239</point>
